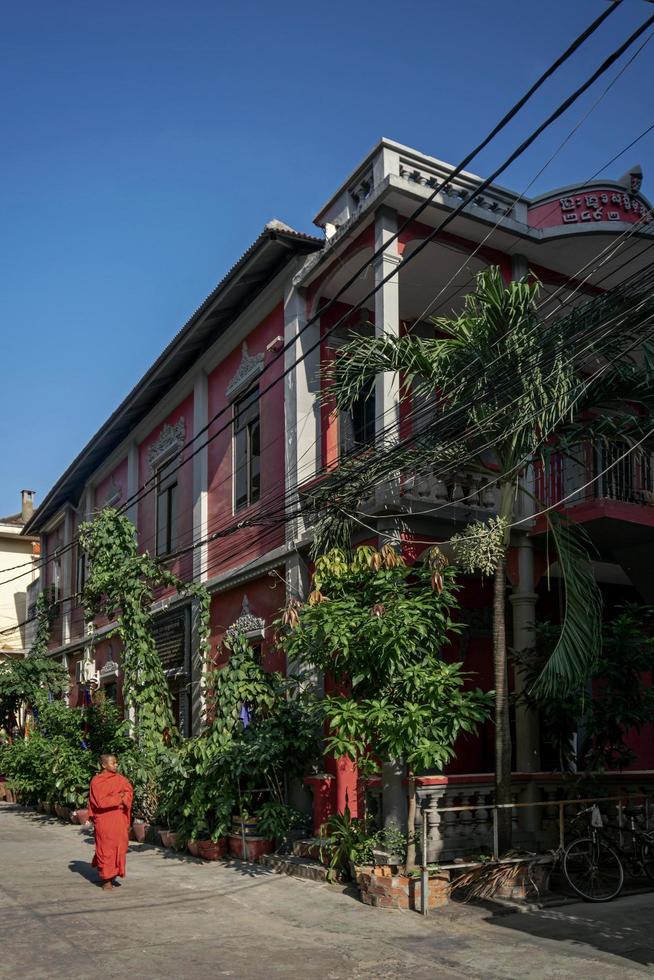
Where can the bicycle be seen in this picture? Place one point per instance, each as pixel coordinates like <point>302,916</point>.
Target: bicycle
<point>593,865</point>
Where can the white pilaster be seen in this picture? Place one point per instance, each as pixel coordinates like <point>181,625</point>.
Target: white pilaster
<point>67,584</point>
<point>200,476</point>
<point>132,481</point>
<point>387,321</point>
<point>301,405</point>
<point>523,602</point>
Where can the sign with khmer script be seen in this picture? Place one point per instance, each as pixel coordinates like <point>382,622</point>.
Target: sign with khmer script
<point>169,633</point>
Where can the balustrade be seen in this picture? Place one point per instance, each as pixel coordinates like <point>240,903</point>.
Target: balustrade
<point>459,809</point>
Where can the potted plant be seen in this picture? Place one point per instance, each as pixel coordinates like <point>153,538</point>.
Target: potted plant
<point>140,830</point>
<point>276,821</point>
<point>168,837</point>
<point>244,823</point>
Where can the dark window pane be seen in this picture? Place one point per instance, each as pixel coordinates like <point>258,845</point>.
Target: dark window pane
<point>357,426</point>
<point>240,470</point>
<point>255,462</point>
<point>172,517</point>
<point>247,465</point>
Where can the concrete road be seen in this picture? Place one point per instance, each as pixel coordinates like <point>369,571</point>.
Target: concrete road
<point>179,918</point>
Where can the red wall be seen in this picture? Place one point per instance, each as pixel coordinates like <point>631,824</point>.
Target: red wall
<point>147,505</point>
<point>266,597</point>
<point>240,546</point>
<point>117,478</point>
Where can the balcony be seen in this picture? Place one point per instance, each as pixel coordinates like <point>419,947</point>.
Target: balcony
<point>606,487</point>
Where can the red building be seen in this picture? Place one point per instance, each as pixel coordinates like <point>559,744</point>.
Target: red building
<point>223,367</point>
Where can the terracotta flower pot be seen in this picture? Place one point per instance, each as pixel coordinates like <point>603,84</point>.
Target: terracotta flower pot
<point>249,824</point>
<point>81,816</point>
<point>211,850</point>
<point>168,838</point>
<point>192,848</point>
<point>255,847</point>
<point>62,812</point>
<point>140,830</point>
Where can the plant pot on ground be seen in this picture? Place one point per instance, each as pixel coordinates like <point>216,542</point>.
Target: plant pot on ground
<point>62,811</point>
<point>80,816</point>
<point>210,850</point>
<point>255,847</point>
<point>245,824</point>
<point>193,848</point>
<point>168,838</point>
<point>140,830</point>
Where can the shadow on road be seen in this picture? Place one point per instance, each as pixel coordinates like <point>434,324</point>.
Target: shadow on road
<point>622,928</point>
<point>84,869</point>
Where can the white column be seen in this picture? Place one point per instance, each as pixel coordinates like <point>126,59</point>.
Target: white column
<point>66,576</point>
<point>523,601</point>
<point>200,476</point>
<point>301,405</point>
<point>387,320</point>
<point>200,532</point>
<point>132,481</point>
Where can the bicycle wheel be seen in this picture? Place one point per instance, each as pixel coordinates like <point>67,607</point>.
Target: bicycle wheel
<point>593,870</point>
<point>647,856</point>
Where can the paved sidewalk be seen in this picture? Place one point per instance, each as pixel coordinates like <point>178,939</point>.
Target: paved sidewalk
<point>179,918</point>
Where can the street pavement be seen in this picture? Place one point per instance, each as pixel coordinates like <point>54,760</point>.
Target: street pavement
<point>176,917</point>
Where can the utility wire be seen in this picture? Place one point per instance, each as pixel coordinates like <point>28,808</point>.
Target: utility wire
<point>149,486</point>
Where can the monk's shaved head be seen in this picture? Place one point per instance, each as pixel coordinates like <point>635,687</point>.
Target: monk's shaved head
<point>109,761</point>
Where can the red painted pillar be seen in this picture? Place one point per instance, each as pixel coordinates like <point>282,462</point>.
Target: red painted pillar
<point>346,786</point>
<point>344,771</point>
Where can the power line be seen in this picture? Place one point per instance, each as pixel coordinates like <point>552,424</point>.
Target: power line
<point>259,519</point>
<point>149,486</point>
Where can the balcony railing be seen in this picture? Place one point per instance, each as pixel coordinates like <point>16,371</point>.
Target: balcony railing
<point>606,470</point>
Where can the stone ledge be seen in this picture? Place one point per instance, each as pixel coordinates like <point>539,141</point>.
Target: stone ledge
<point>296,867</point>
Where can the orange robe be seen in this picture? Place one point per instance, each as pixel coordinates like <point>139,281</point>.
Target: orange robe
<point>110,810</point>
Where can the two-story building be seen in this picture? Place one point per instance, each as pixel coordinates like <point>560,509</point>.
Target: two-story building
<point>19,561</point>
<point>222,432</point>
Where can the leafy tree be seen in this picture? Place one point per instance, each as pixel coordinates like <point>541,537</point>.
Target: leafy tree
<point>613,703</point>
<point>261,727</point>
<point>379,629</point>
<point>122,584</point>
<point>24,681</point>
<point>500,382</point>
<point>58,758</point>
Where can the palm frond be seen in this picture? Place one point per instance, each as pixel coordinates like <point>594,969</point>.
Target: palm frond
<point>580,640</point>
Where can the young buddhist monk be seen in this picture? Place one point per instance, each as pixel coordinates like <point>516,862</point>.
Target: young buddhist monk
<point>110,802</point>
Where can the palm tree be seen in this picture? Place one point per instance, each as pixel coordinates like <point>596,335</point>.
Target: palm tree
<point>501,380</point>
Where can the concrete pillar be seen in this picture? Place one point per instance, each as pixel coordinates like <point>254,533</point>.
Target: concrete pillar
<point>523,603</point>
<point>394,794</point>
<point>67,582</point>
<point>387,321</point>
<point>200,553</point>
<point>200,476</point>
<point>132,481</point>
<point>301,404</point>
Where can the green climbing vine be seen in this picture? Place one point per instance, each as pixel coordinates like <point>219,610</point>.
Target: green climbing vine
<point>45,614</point>
<point>122,584</point>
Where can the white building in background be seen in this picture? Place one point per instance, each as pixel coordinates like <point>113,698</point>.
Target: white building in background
<point>16,549</point>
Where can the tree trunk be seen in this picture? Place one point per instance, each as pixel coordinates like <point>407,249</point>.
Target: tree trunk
<point>411,826</point>
<point>502,727</point>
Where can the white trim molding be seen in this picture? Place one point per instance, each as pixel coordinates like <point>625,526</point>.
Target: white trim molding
<point>171,440</point>
<point>250,368</point>
<point>251,626</point>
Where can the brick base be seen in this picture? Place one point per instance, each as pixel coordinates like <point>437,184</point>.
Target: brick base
<point>382,889</point>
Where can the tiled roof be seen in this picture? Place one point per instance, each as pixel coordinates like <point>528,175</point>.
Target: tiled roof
<point>258,265</point>
<point>15,519</point>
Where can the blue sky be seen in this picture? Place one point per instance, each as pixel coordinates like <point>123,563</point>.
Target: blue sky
<point>145,145</point>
